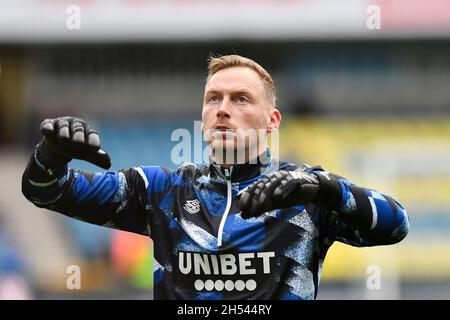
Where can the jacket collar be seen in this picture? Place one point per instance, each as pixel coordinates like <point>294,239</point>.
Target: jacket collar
<point>240,172</point>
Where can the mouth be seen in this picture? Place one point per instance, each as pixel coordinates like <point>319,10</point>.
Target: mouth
<point>223,128</point>
<point>224,131</point>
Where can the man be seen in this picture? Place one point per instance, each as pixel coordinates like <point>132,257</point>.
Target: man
<point>242,227</point>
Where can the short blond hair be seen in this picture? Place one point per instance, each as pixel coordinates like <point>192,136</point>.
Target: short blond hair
<point>216,64</point>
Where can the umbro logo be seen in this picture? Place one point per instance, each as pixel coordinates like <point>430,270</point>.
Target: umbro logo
<point>192,206</point>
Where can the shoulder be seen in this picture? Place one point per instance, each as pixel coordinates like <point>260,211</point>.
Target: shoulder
<point>152,177</point>
<point>189,172</point>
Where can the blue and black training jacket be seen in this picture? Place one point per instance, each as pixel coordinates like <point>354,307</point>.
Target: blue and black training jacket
<point>203,248</point>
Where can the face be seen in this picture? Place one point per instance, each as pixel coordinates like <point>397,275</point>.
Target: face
<point>237,114</point>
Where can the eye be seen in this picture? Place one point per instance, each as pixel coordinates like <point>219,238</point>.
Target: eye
<point>242,99</point>
<point>213,99</point>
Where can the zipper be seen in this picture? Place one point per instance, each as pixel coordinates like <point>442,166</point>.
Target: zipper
<point>227,208</point>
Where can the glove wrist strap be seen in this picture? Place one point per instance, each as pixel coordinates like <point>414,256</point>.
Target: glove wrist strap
<point>48,158</point>
<point>330,193</point>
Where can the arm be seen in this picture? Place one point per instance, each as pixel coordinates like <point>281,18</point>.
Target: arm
<point>351,214</point>
<point>119,199</point>
<point>361,216</point>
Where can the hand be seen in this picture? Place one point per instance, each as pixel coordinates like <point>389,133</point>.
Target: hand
<point>68,138</point>
<point>279,189</point>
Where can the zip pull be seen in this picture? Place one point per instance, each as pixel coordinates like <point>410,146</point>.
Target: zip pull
<point>227,209</point>
<point>227,174</point>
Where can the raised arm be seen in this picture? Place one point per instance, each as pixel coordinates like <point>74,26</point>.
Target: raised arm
<point>118,199</point>
<point>362,216</point>
<point>348,213</point>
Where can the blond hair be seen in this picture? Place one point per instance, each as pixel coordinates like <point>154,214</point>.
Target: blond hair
<point>216,64</point>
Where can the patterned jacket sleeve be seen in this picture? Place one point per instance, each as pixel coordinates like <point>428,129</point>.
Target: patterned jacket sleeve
<point>363,217</point>
<point>116,199</point>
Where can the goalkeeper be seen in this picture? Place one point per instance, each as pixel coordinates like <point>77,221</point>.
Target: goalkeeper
<point>250,229</point>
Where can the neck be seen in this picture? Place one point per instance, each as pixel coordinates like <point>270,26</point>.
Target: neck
<point>227,160</point>
<point>242,171</point>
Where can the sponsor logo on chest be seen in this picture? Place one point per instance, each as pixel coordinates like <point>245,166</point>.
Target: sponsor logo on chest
<point>224,272</point>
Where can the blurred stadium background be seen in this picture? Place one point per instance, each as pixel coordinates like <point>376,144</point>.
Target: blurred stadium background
<point>371,105</point>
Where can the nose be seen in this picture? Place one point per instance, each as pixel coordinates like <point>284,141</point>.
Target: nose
<point>224,109</point>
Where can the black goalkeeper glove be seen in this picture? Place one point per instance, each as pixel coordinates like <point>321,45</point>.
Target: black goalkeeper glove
<point>284,189</point>
<point>68,138</point>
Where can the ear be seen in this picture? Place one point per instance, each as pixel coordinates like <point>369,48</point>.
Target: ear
<point>274,119</point>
